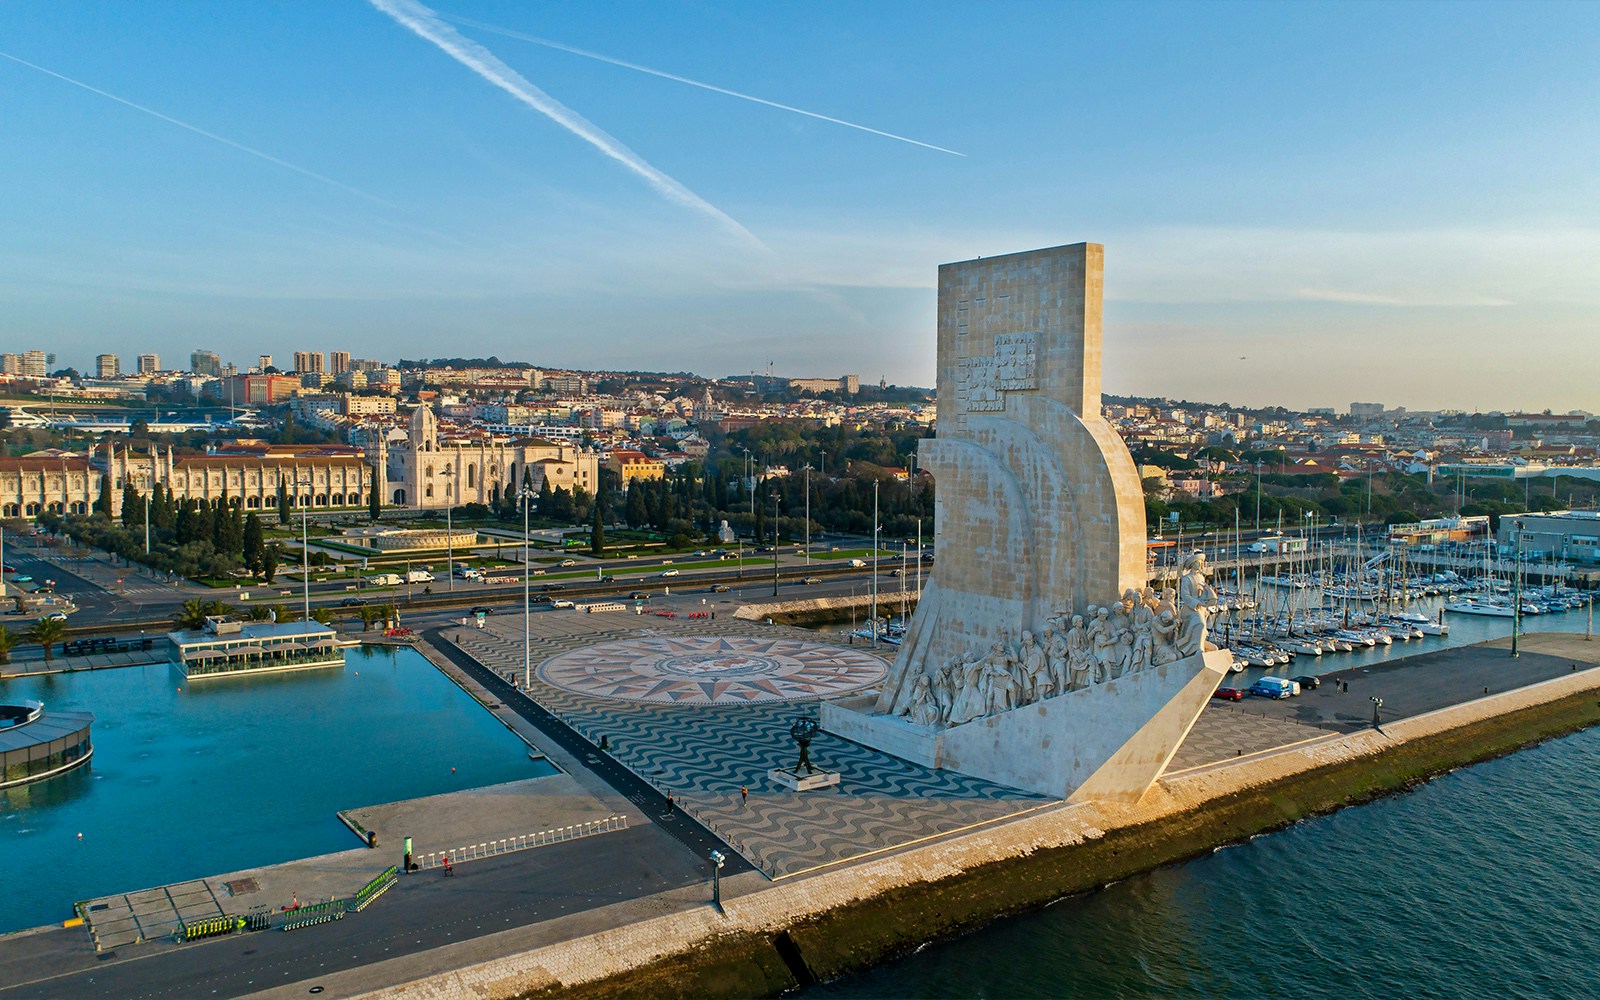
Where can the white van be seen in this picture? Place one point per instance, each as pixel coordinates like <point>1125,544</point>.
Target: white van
<point>419,576</point>
<point>858,563</point>
<point>385,580</point>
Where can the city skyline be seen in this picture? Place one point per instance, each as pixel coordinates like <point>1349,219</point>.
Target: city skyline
<point>1403,197</point>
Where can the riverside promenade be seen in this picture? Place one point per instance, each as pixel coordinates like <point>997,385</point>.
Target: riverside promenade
<point>579,911</point>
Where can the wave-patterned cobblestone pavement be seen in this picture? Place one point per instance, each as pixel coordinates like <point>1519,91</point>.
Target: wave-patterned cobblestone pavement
<point>704,754</point>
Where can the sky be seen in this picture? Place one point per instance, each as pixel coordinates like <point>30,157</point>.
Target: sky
<point>1301,204</point>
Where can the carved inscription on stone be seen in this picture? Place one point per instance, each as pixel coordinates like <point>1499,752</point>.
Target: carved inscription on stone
<point>1015,355</point>
<point>978,386</point>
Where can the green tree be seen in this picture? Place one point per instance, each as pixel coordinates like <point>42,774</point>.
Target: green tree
<point>374,500</point>
<point>132,507</point>
<point>597,533</point>
<point>102,506</point>
<point>636,511</point>
<point>322,616</point>
<point>284,613</point>
<point>271,556</point>
<point>7,640</point>
<point>369,615</point>
<point>46,632</point>
<point>255,542</point>
<point>283,503</point>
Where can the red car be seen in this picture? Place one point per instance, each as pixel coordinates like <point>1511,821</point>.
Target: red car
<point>1228,694</point>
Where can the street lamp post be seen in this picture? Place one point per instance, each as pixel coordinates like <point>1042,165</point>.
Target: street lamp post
<point>807,470</point>
<point>1377,719</point>
<point>1516,594</point>
<point>449,528</point>
<point>774,543</point>
<point>526,496</point>
<point>717,859</point>
<point>305,539</point>
<point>873,624</point>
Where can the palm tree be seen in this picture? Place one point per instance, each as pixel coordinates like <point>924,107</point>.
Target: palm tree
<point>7,640</point>
<point>284,613</point>
<point>258,613</point>
<point>369,614</point>
<point>192,615</point>
<point>321,616</point>
<point>47,632</point>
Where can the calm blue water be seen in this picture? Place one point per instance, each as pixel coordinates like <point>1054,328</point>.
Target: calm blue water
<point>1478,884</point>
<point>190,780</point>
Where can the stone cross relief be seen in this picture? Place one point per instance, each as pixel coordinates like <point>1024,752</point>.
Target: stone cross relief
<point>1144,629</point>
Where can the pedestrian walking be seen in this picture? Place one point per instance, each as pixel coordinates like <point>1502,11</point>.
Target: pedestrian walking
<point>669,802</point>
<point>744,795</point>
<point>448,870</point>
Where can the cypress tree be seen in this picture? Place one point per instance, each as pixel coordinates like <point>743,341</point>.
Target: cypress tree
<point>255,542</point>
<point>132,507</point>
<point>374,501</point>
<point>597,533</point>
<point>102,506</point>
<point>283,503</point>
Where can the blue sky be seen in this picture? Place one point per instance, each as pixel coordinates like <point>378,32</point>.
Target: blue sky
<point>1301,204</point>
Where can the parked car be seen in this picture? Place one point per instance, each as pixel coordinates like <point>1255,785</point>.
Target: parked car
<point>1308,682</point>
<point>354,602</point>
<point>669,572</point>
<point>720,588</point>
<point>1273,687</point>
<point>1228,694</point>
<point>22,578</point>
<point>812,580</point>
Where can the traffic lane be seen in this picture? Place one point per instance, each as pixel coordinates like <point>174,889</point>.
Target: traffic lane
<point>90,597</point>
<point>424,910</point>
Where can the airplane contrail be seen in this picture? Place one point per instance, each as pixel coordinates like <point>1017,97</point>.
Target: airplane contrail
<point>241,147</point>
<point>535,39</point>
<point>426,24</point>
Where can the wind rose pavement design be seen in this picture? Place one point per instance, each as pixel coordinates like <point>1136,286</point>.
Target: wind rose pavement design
<point>712,670</point>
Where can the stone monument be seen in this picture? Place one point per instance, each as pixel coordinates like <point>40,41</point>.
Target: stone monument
<point>1038,657</point>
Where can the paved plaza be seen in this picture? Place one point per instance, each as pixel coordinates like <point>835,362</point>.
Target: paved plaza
<point>729,732</point>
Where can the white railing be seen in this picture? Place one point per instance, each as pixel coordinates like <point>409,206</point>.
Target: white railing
<point>490,848</point>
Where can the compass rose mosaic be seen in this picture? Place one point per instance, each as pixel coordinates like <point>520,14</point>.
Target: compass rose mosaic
<point>705,670</point>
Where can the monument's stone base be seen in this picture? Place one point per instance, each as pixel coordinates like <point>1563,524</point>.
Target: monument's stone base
<point>1110,741</point>
<point>803,781</point>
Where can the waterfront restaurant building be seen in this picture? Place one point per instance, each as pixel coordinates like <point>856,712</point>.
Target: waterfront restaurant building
<point>229,647</point>
<point>35,744</point>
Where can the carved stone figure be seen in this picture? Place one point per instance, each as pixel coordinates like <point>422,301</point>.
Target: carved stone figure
<point>946,687</point>
<point>1121,654</point>
<point>1197,601</point>
<point>1080,655</point>
<point>973,697</point>
<point>1034,673</point>
<point>1165,629</point>
<point>1055,654</point>
<point>997,667</point>
<point>1102,643</point>
<point>924,710</point>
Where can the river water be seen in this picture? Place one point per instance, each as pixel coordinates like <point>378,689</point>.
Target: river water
<point>190,780</point>
<point>1478,884</point>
